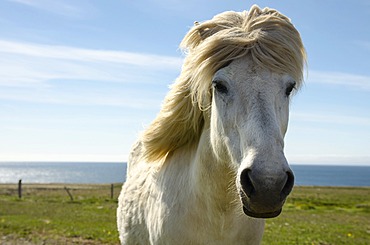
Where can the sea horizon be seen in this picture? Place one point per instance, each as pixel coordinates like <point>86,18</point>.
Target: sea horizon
<point>115,172</point>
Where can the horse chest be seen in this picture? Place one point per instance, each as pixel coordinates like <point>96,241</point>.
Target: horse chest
<point>168,210</point>
<point>209,227</point>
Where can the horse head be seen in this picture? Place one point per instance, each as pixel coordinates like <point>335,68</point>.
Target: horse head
<point>236,81</point>
<point>249,118</point>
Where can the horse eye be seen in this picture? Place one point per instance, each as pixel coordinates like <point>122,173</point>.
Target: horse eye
<point>290,88</point>
<point>219,87</point>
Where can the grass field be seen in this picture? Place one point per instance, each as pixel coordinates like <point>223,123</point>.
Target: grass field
<point>47,215</point>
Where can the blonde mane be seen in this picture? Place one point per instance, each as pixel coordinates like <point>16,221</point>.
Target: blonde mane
<point>266,35</point>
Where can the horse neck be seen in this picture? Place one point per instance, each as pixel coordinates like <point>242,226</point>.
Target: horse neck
<point>203,179</point>
<point>213,180</point>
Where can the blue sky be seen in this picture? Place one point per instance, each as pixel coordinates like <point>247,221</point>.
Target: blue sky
<point>80,79</point>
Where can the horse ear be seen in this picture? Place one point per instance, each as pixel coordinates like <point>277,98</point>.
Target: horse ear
<point>178,123</point>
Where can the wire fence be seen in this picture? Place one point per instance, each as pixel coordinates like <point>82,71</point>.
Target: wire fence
<point>73,192</point>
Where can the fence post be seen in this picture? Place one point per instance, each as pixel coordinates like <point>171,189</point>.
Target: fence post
<point>111,191</point>
<point>69,194</point>
<point>20,188</point>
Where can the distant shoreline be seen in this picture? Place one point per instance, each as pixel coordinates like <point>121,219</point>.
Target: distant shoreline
<point>115,172</point>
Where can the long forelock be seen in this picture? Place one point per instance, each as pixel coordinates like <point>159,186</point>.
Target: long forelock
<point>266,35</point>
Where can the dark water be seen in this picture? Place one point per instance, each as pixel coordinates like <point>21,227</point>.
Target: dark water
<point>79,172</point>
<point>324,175</point>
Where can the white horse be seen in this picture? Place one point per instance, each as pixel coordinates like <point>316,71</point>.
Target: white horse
<point>211,166</point>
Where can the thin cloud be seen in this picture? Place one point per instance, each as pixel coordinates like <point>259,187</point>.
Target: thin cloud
<point>330,119</point>
<point>86,98</point>
<point>339,78</point>
<point>61,75</point>
<point>90,55</point>
<point>53,157</point>
<point>334,159</point>
<point>55,7</point>
<point>28,64</point>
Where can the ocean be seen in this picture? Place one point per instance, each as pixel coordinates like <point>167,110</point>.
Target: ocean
<point>87,172</point>
<point>62,172</point>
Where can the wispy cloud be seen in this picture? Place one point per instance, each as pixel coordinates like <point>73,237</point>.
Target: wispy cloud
<point>63,8</point>
<point>332,119</point>
<point>23,64</point>
<point>37,65</point>
<point>89,55</point>
<point>339,78</point>
<point>121,98</point>
<point>52,157</point>
<point>44,74</point>
<point>334,159</point>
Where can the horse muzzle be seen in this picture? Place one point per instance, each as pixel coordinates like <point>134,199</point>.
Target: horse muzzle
<point>258,212</point>
<point>263,195</point>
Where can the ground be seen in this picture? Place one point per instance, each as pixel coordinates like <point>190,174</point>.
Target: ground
<point>46,214</point>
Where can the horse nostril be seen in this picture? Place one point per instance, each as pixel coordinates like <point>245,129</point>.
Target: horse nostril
<point>288,185</point>
<point>246,183</point>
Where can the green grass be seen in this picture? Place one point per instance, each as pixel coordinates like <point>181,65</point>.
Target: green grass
<point>46,215</point>
<point>322,216</point>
